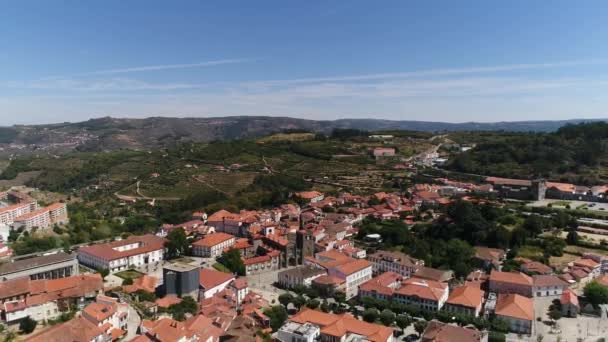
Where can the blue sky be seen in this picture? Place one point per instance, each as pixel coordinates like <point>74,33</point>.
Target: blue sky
<point>427,60</point>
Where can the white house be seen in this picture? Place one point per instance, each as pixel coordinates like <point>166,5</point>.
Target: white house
<point>120,255</point>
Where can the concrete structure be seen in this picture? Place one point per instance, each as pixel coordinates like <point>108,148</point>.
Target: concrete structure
<point>303,275</point>
<point>120,255</point>
<point>212,245</point>
<point>43,218</point>
<point>52,266</point>
<point>9,213</point>
<point>181,280</point>
<point>403,264</point>
<point>298,332</point>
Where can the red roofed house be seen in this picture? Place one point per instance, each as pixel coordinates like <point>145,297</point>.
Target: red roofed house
<point>547,285</point>
<point>425,294</point>
<point>307,325</point>
<point>442,332</point>
<point>75,330</point>
<point>465,300</point>
<point>120,255</point>
<point>212,282</point>
<point>508,282</point>
<point>381,287</point>
<point>517,310</point>
<point>109,315</point>
<point>212,245</point>
<point>310,196</point>
<point>569,301</point>
<point>46,299</point>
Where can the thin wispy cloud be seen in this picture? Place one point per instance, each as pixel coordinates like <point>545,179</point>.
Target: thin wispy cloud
<point>165,67</point>
<point>147,68</point>
<point>434,72</point>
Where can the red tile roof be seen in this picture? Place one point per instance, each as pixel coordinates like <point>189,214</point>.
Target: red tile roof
<point>511,277</point>
<point>213,240</point>
<point>467,296</point>
<point>106,251</point>
<point>340,325</point>
<point>516,306</point>
<point>211,278</point>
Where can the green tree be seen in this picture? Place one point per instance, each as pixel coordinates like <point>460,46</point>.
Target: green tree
<point>104,272</point>
<point>496,336</point>
<point>313,303</point>
<point>277,315</point>
<point>596,293</point>
<point>127,281</point>
<point>27,325</point>
<point>179,310</point>
<point>387,317</point>
<point>299,301</point>
<point>572,237</point>
<point>420,326</point>
<point>340,297</point>
<point>232,260</point>
<point>403,321</point>
<point>285,299</point>
<point>177,243</point>
<point>370,315</point>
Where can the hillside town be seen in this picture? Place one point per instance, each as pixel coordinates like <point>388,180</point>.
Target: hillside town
<point>306,270</point>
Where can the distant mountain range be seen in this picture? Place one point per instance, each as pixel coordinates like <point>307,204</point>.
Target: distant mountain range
<point>115,133</point>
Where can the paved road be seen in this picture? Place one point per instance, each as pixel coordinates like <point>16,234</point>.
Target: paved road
<point>132,323</point>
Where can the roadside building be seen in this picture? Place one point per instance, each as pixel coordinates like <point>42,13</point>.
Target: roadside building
<point>301,275</point>
<point>120,255</point>
<point>52,266</point>
<point>212,245</point>
<point>465,300</point>
<point>516,310</point>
